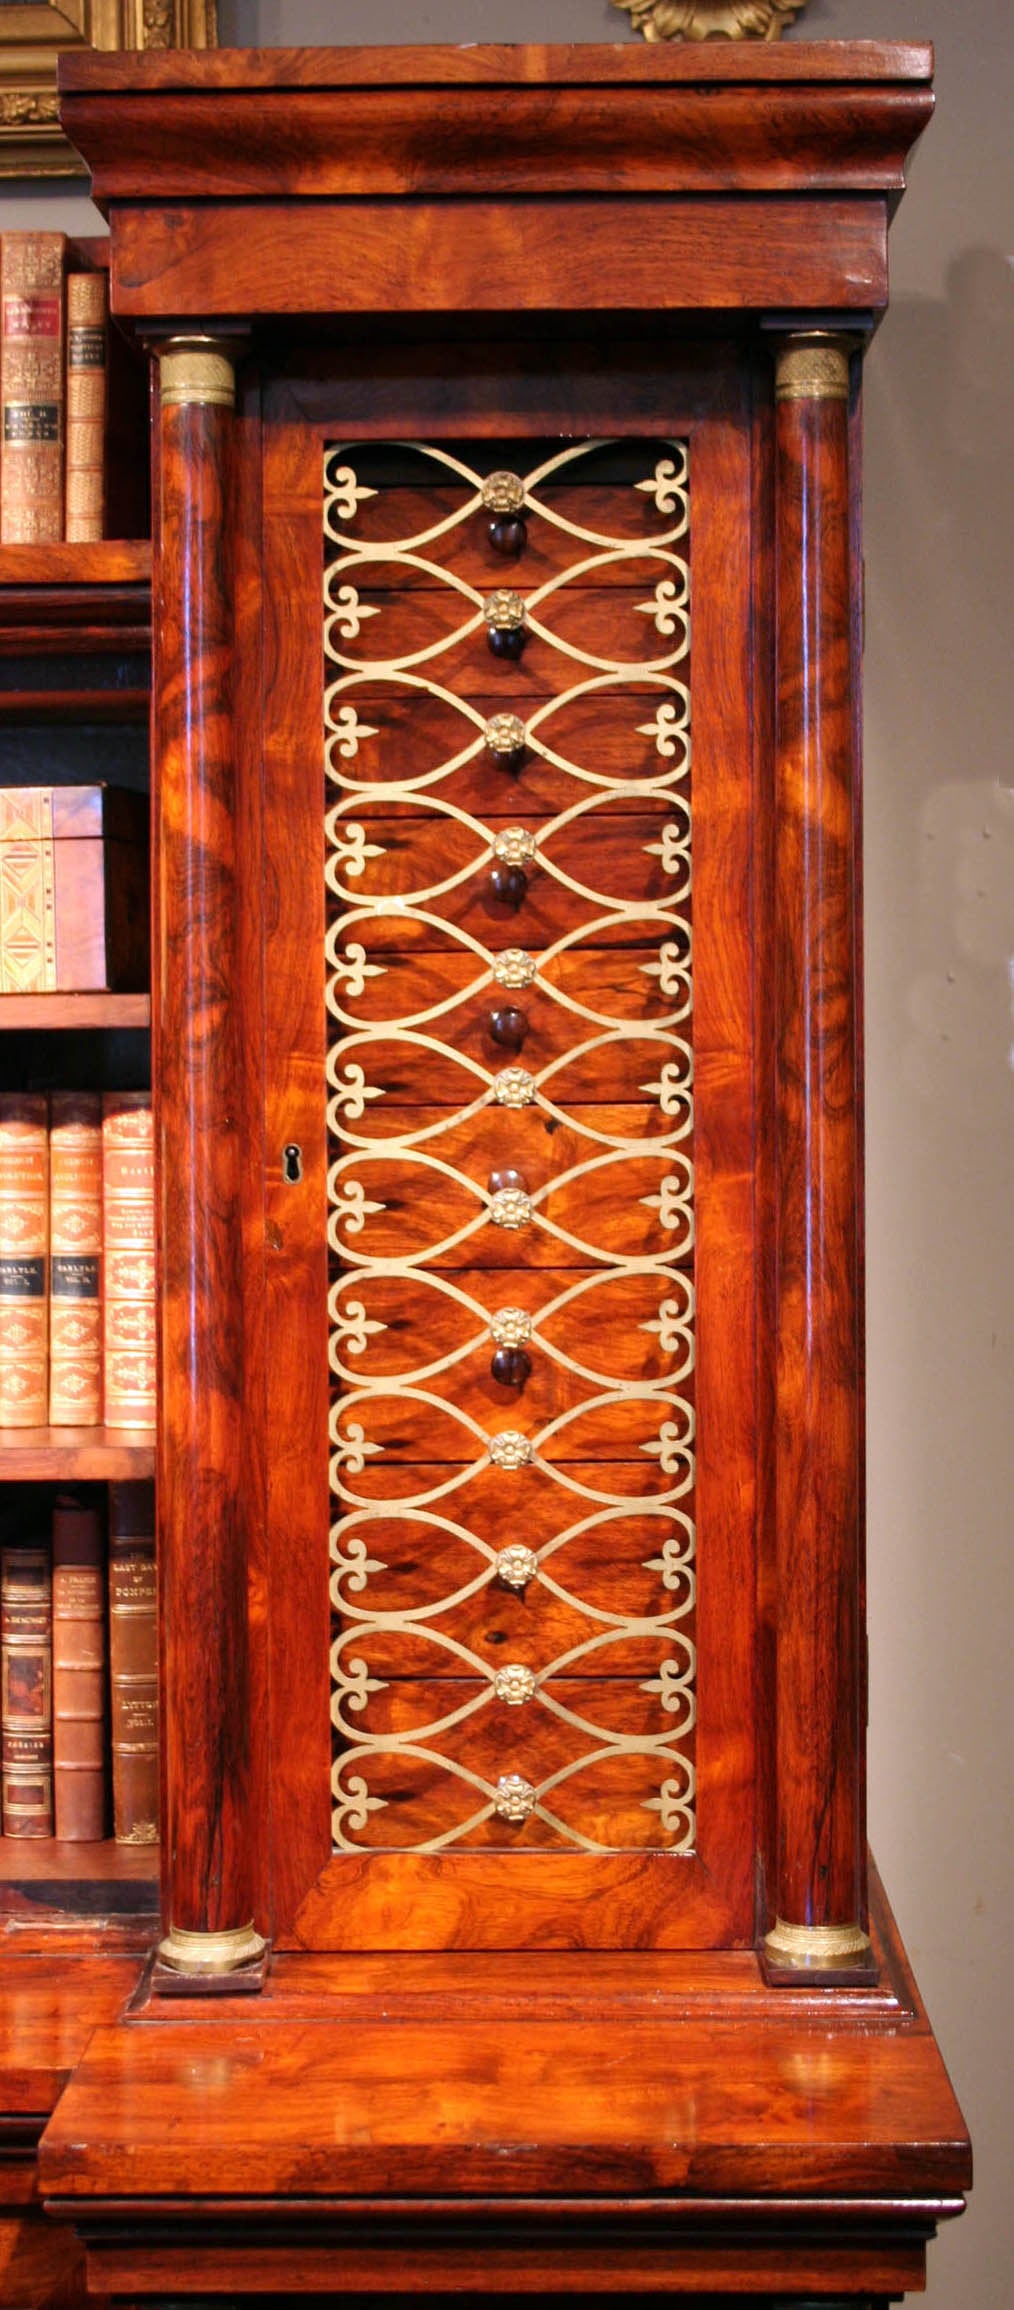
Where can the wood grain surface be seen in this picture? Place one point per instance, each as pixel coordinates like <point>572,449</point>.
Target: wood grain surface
<point>199,1057</point>
<point>820,1678</point>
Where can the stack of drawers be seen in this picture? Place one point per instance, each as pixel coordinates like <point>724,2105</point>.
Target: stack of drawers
<point>506,645</point>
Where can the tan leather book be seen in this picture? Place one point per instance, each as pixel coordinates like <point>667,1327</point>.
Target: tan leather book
<point>87,378</point>
<point>128,1219</point>
<point>26,1692</point>
<point>75,1259</point>
<point>24,1233</point>
<point>31,387</point>
<point>79,1668</point>
<point>133,1662</point>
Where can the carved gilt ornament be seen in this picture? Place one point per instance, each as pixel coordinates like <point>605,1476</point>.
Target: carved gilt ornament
<point>711,19</point>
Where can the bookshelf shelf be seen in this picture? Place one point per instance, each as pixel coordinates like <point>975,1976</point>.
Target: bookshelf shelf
<point>55,1011</point>
<point>45,1860</point>
<point>75,1455</point>
<point>110,562</point>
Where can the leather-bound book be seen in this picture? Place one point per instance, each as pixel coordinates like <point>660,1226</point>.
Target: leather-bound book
<point>26,1678</point>
<point>87,373</point>
<point>31,387</point>
<point>79,1668</point>
<point>128,1219</point>
<point>133,1662</point>
<point>24,1199</point>
<point>75,1258</point>
<point>73,889</point>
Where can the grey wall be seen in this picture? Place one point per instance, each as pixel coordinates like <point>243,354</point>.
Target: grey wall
<point>940,941</point>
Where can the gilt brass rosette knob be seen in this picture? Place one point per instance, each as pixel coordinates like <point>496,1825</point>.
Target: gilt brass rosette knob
<point>503,495</point>
<point>515,1797</point>
<point>516,1566</point>
<point>510,1449</point>
<point>514,1684</point>
<point>505,736</point>
<point>504,612</point>
<point>514,968</point>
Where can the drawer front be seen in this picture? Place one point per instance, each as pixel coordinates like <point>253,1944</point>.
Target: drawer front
<point>510,1115</point>
<point>406,737</point>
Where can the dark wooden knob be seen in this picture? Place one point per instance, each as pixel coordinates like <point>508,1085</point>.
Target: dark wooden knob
<point>508,1027</point>
<point>510,1367</point>
<point>508,535</point>
<point>507,1181</point>
<point>510,759</point>
<point>508,885</point>
<point>506,641</point>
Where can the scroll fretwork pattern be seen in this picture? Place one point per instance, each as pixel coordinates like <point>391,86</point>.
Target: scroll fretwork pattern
<point>510,1111</point>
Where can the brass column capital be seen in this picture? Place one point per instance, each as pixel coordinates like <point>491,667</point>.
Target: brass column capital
<point>197,372</point>
<point>813,366</point>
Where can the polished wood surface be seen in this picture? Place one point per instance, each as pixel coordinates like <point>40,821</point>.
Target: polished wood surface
<point>201,1526</point>
<point>820,1672</point>
<point>73,1455</point>
<point>456,1899</point>
<point>52,1012</point>
<point>522,2104</point>
<point>626,255</point>
<point>470,65</point>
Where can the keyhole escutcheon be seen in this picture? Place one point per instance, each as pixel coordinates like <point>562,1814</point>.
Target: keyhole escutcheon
<point>292,1163</point>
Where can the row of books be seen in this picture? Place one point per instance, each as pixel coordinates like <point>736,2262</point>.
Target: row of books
<point>79,1729</point>
<point>54,338</point>
<point>77,1259</point>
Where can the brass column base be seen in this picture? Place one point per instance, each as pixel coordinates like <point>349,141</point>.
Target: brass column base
<point>211,1953</point>
<point>817,1948</point>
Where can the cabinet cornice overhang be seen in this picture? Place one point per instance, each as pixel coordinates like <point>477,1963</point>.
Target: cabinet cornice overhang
<point>608,148</point>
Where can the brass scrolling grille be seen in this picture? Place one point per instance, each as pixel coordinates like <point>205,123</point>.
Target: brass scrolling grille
<point>570,1724</point>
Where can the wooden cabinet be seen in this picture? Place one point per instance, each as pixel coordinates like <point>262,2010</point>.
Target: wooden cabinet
<point>517,1927</point>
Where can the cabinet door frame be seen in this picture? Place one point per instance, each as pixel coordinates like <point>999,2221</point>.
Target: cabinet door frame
<point>461,384</point>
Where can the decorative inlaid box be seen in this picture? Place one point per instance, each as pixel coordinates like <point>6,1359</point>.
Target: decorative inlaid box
<point>73,889</point>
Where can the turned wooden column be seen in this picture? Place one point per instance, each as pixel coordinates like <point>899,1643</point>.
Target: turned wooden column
<point>207,1890</point>
<point>819,1895</point>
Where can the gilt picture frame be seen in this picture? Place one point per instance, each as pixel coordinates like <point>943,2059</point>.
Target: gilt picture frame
<point>33,33</point>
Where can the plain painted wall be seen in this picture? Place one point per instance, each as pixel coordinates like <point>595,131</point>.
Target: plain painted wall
<point>940,1020</point>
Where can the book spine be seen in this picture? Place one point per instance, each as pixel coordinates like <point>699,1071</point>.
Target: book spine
<point>128,1218</point>
<point>75,1259</point>
<point>27,891</point>
<point>26,1692</point>
<point>24,1199</point>
<point>31,387</point>
<point>133,1663</point>
<point>79,1669</point>
<point>87,379</point>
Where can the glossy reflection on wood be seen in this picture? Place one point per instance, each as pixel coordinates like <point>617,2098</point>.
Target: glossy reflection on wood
<point>202,1558</point>
<point>820,1847</point>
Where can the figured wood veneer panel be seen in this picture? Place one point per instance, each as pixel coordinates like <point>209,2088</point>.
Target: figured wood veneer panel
<point>494,1900</point>
<point>602,736</point>
<point>591,1204</point>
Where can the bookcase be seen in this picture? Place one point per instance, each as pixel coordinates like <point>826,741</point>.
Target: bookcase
<point>517,1929</point>
<point>75,648</point>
